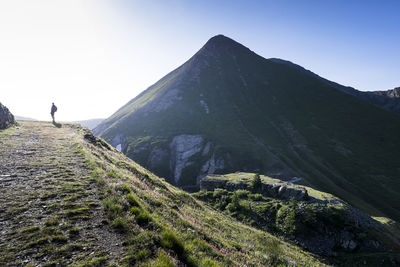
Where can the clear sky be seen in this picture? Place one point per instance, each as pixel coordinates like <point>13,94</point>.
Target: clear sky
<point>91,57</point>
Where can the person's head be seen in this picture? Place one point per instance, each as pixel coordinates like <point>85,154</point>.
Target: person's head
<point>53,103</point>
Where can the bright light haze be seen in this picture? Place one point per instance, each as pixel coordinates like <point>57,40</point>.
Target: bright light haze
<point>91,57</point>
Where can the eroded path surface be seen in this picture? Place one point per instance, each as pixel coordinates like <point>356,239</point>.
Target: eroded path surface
<point>50,212</point>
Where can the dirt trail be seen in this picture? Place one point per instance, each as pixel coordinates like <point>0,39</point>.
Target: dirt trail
<point>50,212</point>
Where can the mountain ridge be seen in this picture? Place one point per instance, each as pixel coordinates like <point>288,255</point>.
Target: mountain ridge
<point>228,109</point>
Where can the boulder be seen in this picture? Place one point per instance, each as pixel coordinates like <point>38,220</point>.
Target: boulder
<point>6,118</point>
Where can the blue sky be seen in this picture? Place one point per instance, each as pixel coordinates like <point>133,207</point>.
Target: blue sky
<point>355,43</point>
<point>91,57</point>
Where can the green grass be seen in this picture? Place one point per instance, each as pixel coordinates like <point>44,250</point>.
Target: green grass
<point>296,220</point>
<point>163,225</point>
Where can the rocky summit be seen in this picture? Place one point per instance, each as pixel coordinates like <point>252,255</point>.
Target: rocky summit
<point>6,118</point>
<point>228,109</point>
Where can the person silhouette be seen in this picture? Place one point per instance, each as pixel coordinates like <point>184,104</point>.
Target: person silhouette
<point>53,110</point>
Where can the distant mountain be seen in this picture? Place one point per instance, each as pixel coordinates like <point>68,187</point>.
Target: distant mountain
<point>6,117</point>
<point>228,109</point>
<point>91,124</point>
<point>389,99</point>
<point>20,118</point>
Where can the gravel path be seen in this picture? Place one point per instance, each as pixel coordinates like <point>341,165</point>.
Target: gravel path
<point>50,211</point>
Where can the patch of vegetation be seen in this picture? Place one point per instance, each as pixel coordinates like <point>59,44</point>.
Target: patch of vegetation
<point>256,182</point>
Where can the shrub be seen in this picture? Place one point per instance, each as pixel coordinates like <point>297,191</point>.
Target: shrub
<point>143,218</point>
<point>135,210</point>
<point>115,210</point>
<point>120,224</point>
<point>162,261</point>
<point>143,254</point>
<point>256,182</point>
<point>171,241</point>
<point>110,201</point>
<point>234,205</point>
<point>256,197</point>
<point>287,218</point>
<point>219,192</point>
<point>112,174</point>
<point>124,188</point>
<point>133,201</point>
<point>242,193</point>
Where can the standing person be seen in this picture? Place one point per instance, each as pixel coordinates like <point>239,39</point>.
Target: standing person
<point>53,110</point>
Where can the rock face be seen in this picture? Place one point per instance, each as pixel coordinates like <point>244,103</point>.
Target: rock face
<point>183,147</point>
<point>6,118</point>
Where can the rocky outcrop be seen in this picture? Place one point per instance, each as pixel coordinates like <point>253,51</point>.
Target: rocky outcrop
<point>182,148</point>
<point>211,165</point>
<point>6,118</point>
<point>389,99</point>
<point>119,142</point>
<point>325,226</point>
<point>281,190</point>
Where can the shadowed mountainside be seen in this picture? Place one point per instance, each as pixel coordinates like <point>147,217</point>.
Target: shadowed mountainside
<point>389,99</point>
<point>228,109</point>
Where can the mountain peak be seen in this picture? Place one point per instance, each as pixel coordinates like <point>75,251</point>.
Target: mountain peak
<point>222,42</point>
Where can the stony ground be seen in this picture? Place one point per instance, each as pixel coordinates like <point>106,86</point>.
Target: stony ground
<point>50,212</point>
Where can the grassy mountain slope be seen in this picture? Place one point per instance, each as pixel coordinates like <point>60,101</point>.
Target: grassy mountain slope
<point>227,109</point>
<point>387,99</point>
<point>317,221</point>
<point>69,198</point>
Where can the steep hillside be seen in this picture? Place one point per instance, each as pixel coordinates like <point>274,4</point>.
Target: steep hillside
<point>69,198</point>
<point>227,109</point>
<point>389,99</point>
<point>6,118</point>
<point>317,221</point>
